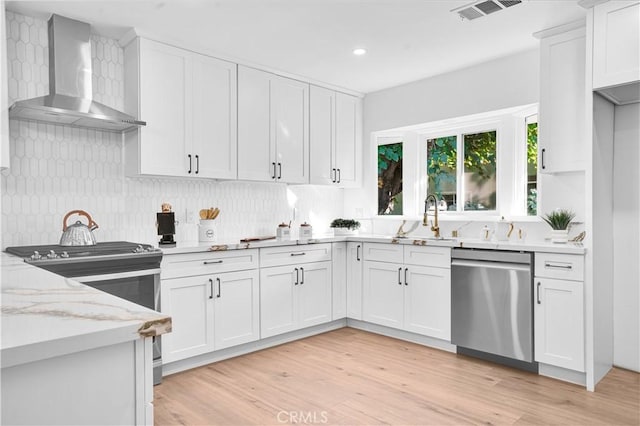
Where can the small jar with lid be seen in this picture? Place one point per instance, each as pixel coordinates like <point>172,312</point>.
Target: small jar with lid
<point>306,231</point>
<point>283,231</point>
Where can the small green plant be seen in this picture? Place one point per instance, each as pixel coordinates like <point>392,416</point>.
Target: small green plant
<point>345,223</point>
<point>559,219</point>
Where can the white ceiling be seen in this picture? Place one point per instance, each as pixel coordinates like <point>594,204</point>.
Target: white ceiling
<point>407,40</point>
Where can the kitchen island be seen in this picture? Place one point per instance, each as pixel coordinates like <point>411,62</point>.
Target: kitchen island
<point>71,354</point>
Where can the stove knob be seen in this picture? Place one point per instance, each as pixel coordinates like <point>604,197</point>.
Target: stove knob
<point>64,255</point>
<point>36,255</point>
<point>52,255</point>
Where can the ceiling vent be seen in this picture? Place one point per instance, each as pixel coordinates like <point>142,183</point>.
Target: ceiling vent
<point>484,8</point>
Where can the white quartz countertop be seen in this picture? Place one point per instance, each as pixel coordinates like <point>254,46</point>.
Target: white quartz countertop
<point>45,315</point>
<point>533,246</point>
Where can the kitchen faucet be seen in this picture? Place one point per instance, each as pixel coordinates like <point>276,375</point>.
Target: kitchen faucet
<point>435,227</point>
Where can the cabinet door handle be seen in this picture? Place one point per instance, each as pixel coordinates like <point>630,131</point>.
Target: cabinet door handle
<point>298,254</point>
<point>297,277</point>
<point>538,293</point>
<point>405,276</point>
<point>219,289</point>
<point>211,262</point>
<point>358,252</point>
<point>189,163</point>
<point>542,159</point>
<point>197,164</point>
<point>302,280</point>
<point>279,170</point>
<point>399,279</point>
<point>335,174</point>
<point>211,288</point>
<point>339,175</point>
<point>551,265</point>
<point>274,170</point>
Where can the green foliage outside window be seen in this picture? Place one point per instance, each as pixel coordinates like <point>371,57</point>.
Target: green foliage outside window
<point>390,179</point>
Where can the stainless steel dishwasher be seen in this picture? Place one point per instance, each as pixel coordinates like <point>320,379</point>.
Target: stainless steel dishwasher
<point>492,305</point>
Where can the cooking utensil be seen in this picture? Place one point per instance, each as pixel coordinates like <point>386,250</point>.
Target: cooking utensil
<point>210,213</point>
<point>78,234</point>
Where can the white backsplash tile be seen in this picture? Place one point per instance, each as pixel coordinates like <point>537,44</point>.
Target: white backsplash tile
<point>55,169</point>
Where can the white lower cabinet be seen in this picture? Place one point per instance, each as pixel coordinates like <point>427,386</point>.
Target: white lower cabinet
<point>411,297</point>
<point>339,280</point>
<point>236,311</point>
<point>294,297</point>
<point>383,294</point>
<point>427,306</point>
<point>559,310</point>
<point>354,280</point>
<point>559,323</point>
<point>209,312</point>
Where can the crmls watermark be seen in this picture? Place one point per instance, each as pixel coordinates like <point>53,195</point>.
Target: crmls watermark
<point>304,417</point>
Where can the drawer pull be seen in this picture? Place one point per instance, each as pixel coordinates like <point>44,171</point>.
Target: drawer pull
<point>298,254</point>
<point>212,262</point>
<point>551,265</point>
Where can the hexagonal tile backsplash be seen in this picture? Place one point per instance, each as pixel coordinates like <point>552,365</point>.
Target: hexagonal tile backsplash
<point>56,168</point>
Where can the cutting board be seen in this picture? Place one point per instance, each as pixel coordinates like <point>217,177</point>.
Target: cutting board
<point>253,239</point>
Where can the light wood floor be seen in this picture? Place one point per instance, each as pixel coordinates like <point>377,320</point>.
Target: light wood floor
<point>353,377</point>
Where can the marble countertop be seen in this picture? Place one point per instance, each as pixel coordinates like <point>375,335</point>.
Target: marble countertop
<point>45,315</point>
<point>534,246</point>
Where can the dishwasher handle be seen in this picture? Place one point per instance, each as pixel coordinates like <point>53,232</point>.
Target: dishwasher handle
<point>492,265</point>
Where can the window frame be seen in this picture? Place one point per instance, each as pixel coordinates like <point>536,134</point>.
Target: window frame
<point>511,163</point>
<point>390,139</point>
<point>459,131</point>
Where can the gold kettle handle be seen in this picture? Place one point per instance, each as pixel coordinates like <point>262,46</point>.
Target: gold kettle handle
<point>92,225</point>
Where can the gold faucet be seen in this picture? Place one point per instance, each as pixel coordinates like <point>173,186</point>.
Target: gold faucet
<point>435,227</point>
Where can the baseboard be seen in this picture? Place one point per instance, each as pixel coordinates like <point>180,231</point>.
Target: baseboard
<point>563,374</point>
<point>402,335</point>
<point>208,358</point>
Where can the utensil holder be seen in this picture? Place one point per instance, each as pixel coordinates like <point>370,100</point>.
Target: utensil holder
<point>207,230</point>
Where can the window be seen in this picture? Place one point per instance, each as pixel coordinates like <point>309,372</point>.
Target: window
<point>479,166</point>
<point>390,176</point>
<point>466,182</point>
<point>532,165</point>
<point>480,171</point>
<point>442,164</point>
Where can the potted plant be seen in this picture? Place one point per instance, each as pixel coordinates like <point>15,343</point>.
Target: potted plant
<point>559,220</point>
<point>345,226</point>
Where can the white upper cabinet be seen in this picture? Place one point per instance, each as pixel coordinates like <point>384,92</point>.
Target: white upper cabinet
<point>616,43</point>
<point>189,103</point>
<point>273,127</point>
<point>562,114</point>
<point>335,138</point>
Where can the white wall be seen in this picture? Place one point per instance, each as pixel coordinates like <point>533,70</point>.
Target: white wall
<point>626,237</point>
<point>54,169</point>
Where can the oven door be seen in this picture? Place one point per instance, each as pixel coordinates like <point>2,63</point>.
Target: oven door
<point>140,287</point>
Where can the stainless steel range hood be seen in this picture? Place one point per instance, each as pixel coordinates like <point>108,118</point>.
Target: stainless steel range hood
<point>70,92</point>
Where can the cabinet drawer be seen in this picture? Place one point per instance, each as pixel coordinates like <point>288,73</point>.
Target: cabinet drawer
<point>438,257</point>
<point>189,264</point>
<point>560,266</point>
<point>392,253</point>
<point>289,255</point>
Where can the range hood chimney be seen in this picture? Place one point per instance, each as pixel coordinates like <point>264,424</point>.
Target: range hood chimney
<point>70,91</point>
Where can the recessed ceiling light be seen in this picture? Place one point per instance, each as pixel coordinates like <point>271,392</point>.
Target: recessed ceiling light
<point>359,51</point>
